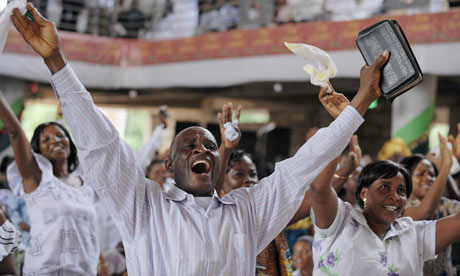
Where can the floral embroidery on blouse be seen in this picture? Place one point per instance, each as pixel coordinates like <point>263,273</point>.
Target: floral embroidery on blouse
<point>317,245</point>
<point>332,259</point>
<point>354,224</point>
<point>390,239</point>
<point>393,270</point>
<point>383,258</point>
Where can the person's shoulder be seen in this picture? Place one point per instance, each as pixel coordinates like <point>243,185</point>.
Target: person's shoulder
<point>404,224</point>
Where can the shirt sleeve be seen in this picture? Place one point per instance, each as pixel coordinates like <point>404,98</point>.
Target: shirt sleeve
<point>10,238</point>
<point>277,197</point>
<point>426,237</point>
<point>336,224</point>
<point>108,163</point>
<point>15,179</point>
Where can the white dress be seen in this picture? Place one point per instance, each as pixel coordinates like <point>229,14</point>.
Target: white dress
<point>62,218</point>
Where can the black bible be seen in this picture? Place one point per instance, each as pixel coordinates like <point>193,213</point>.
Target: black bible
<point>402,71</point>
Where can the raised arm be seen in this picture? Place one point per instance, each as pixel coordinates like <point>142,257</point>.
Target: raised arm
<point>108,163</point>
<point>430,202</point>
<point>447,231</point>
<point>279,196</point>
<point>337,178</point>
<point>146,152</point>
<point>24,158</point>
<point>226,146</point>
<point>324,197</point>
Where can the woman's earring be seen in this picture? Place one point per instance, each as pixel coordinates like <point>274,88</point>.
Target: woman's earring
<point>365,202</point>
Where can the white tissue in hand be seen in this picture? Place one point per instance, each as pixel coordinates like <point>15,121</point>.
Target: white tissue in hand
<point>5,20</point>
<point>320,65</point>
<point>230,132</point>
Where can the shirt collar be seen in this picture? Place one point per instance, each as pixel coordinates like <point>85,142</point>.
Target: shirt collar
<point>179,195</point>
<point>398,227</point>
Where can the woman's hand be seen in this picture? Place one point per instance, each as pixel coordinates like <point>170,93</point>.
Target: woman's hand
<point>445,158</point>
<point>334,103</point>
<point>41,35</point>
<point>456,143</point>
<point>352,161</point>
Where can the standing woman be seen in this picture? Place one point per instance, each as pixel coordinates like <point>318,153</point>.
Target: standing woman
<point>427,202</point>
<point>62,216</point>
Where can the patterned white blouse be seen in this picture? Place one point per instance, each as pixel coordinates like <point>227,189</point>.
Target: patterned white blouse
<point>350,247</point>
<point>62,218</point>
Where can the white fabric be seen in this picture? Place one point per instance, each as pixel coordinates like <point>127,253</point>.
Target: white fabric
<point>10,238</point>
<point>62,220</point>
<point>5,20</point>
<point>296,273</point>
<point>320,66</point>
<point>230,132</point>
<point>145,154</point>
<point>107,233</point>
<point>350,247</point>
<point>345,10</point>
<point>203,201</point>
<point>168,234</point>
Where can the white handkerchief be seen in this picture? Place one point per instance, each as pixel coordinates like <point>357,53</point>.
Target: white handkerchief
<point>5,20</point>
<point>320,65</point>
<point>230,132</point>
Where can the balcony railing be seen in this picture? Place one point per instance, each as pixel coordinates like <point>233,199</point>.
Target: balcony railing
<point>167,19</point>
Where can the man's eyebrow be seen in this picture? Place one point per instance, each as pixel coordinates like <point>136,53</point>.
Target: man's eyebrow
<point>189,139</point>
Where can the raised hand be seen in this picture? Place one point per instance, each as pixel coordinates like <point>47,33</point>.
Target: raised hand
<point>41,35</point>
<point>350,162</point>
<point>445,158</point>
<point>369,84</point>
<point>334,102</point>
<point>163,115</point>
<point>224,117</point>
<point>456,143</point>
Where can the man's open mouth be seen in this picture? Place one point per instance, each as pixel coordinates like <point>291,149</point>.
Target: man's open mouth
<point>201,166</point>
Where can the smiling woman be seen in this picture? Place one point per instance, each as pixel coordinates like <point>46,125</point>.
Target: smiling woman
<point>375,237</point>
<point>59,203</point>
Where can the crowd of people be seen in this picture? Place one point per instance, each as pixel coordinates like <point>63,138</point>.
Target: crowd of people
<point>201,208</point>
<point>169,19</point>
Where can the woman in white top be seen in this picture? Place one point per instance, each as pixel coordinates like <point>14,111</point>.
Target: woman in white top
<point>62,216</point>
<point>355,241</point>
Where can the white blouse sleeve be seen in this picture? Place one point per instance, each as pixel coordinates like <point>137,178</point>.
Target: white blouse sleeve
<point>426,237</point>
<point>338,220</point>
<point>15,178</point>
<point>10,238</point>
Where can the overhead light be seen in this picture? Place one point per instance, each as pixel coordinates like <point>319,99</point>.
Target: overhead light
<point>132,93</point>
<point>278,87</point>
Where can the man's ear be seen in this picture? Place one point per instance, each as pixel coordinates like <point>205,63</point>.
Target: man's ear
<point>363,193</point>
<point>169,165</point>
